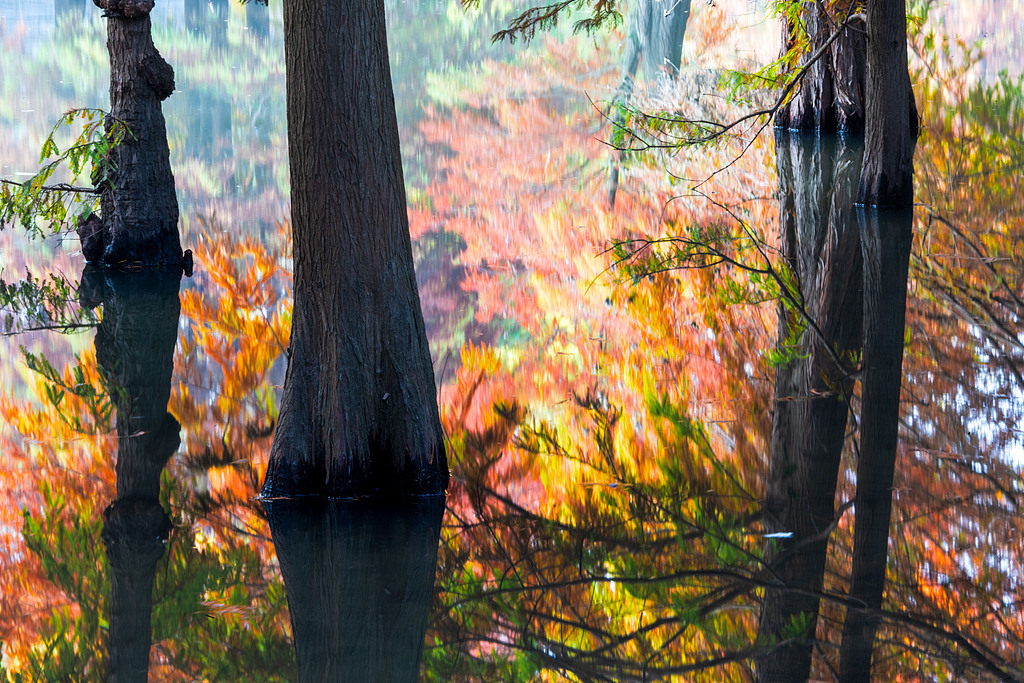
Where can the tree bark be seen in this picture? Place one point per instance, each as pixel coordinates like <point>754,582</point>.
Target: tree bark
<point>360,582</point>
<point>138,204</point>
<point>831,95</point>
<point>887,178</point>
<point>135,349</point>
<point>359,409</point>
<point>821,244</point>
<point>886,238</point>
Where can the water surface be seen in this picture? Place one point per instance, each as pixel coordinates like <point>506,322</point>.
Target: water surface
<point>643,464</point>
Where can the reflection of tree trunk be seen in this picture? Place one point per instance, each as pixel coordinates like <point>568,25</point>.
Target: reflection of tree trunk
<point>820,241</point>
<point>210,136</point>
<point>655,39</point>
<point>135,349</point>
<point>209,18</point>
<point>886,241</point>
<point>359,408</point>
<point>360,581</point>
<point>257,19</point>
<point>138,202</point>
<point>887,178</point>
<point>831,95</point>
<point>76,10</point>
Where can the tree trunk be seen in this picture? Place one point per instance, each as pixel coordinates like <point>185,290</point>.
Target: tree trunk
<point>138,205</point>
<point>360,582</point>
<point>886,239</point>
<point>887,178</point>
<point>655,39</point>
<point>820,241</point>
<point>135,349</point>
<point>359,409</point>
<point>831,95</point>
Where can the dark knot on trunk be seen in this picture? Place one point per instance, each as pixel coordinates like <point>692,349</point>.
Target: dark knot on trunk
<point>159,75</point>
<point>125,9</point>
<point>93,236</point>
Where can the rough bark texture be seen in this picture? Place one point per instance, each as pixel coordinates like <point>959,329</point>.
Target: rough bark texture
<point>886,238</point>
<point>360,581</point>
<point>135,348</point>
<point>820,241</point>
<point>887,178</point>
<point>359,409</point>
<point>138,204</point>
<point>831,95</point>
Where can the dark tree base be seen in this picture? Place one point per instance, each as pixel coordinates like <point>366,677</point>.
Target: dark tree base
<point>831,96</point>
<point>359,407</point>
<point>879,190</point>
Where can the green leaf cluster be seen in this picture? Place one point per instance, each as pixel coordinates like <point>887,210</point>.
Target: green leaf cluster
<point>36,202</point>
<point>603,14</point>
<point>96,400</point>
<point>37,303</point>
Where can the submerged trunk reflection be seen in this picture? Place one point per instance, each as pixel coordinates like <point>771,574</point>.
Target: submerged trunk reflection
<point>819,331</point>
<point>135,351</point>
<point>886,238</point>
<point>359,580</point>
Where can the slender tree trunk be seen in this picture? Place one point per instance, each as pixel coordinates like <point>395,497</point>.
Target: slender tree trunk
<point>139,225</point>
<point>886,238</point>
<point>359,410</point>
<point>655,39</point>
<point>360,581</point>
<point>820,241</point>
<point>887,178</point>
<point>135,348</point>
<point>831,96</point>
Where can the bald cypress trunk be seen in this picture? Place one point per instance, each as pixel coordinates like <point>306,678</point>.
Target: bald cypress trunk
<point>359,409</point>
<point>655,39</point>
<point>886,238</point>
<point>887,178</point>
<point>831,97</point>
<point>139,208</point>
<point>821,244</point>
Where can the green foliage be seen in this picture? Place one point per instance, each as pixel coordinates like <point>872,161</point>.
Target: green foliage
<point>34,203</point>
<point>603,14</point>
<point>96,400</point>
<point>636,130</point>
<point>214,616</point>
<point>48,303</point>
<point>71,556</point>
<point>738,84</point>
<point>214,613</point>
<point>998,110</point>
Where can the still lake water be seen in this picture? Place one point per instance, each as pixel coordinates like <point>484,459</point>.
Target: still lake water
<point>636,460</point>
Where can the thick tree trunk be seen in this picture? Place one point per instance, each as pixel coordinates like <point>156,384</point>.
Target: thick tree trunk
<point>820,241</point>
<point>138,205</point>
<point>887,178</point>
<point>831,96</point>
<point>359,410</point>
<point>360,581</point>
<point>135,348</point>
<point>886,238</point>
